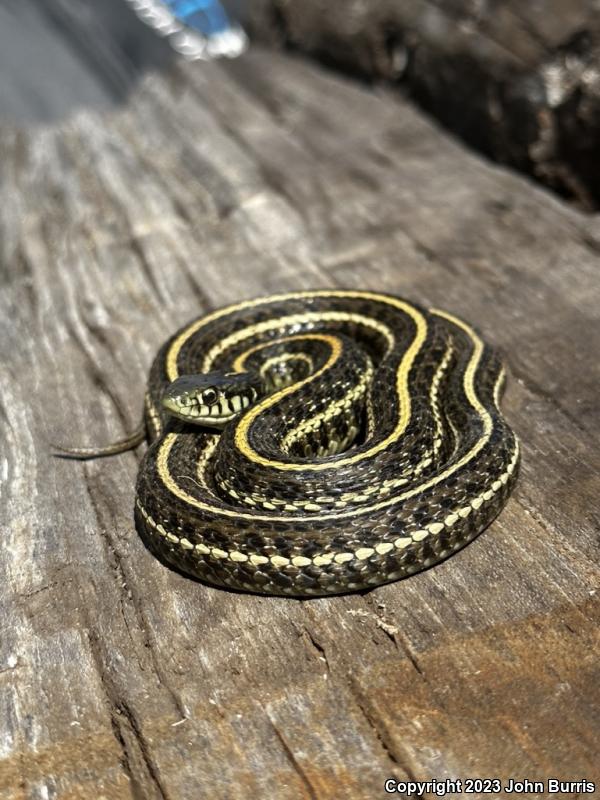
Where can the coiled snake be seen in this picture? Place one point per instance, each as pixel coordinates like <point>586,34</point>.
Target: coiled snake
<point>321,442</point>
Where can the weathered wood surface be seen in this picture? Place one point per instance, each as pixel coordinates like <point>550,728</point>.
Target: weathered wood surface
<point>122,679</point>
<point>519,81</point>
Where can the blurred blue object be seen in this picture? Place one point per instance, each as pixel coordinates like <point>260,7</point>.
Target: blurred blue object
<point>206,16</point>
<point>198,29</point>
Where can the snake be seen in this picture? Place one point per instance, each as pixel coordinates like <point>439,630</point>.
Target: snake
<point>320,442</point>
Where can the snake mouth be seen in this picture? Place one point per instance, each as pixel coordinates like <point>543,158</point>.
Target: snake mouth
<point>199,414</point>
<point>208,400</point>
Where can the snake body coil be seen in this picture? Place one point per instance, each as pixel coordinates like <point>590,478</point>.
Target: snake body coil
<point>377,449</point>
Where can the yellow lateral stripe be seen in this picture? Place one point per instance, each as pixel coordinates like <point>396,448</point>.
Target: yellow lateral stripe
<point>469,388</point>
<point>270,362</point>
<point>325,558</point>
<point>241,440</point>
<point>194,327</point>
<point>404,406</point>
<point>290,321</point>
<point>241,437</point>
<point>239,365</point>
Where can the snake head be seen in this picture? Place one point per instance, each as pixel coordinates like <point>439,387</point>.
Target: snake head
<point>212,399</point>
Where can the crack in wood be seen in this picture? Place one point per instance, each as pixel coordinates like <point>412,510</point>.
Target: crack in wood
<point>534,388</point>
<point>138,250</point>
<point>136,759</point>
<point>97,376</point>
<point>126,593</point>
<point>289,753</point>
<point>379,730</point>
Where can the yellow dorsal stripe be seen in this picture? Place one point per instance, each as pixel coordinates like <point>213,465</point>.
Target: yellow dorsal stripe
<point>403,394</point>
<point>194,327</point>
<point>470,392</point>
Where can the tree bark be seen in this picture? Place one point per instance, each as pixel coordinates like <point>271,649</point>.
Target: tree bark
<point>518,81</point>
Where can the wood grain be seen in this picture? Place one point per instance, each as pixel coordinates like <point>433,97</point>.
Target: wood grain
<point>122,679</point>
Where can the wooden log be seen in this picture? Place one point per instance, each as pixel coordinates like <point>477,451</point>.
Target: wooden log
<point>122,679</point>
<point>517,81</point>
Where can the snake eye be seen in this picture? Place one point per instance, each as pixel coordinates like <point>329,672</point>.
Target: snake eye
<point>209,397</point>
